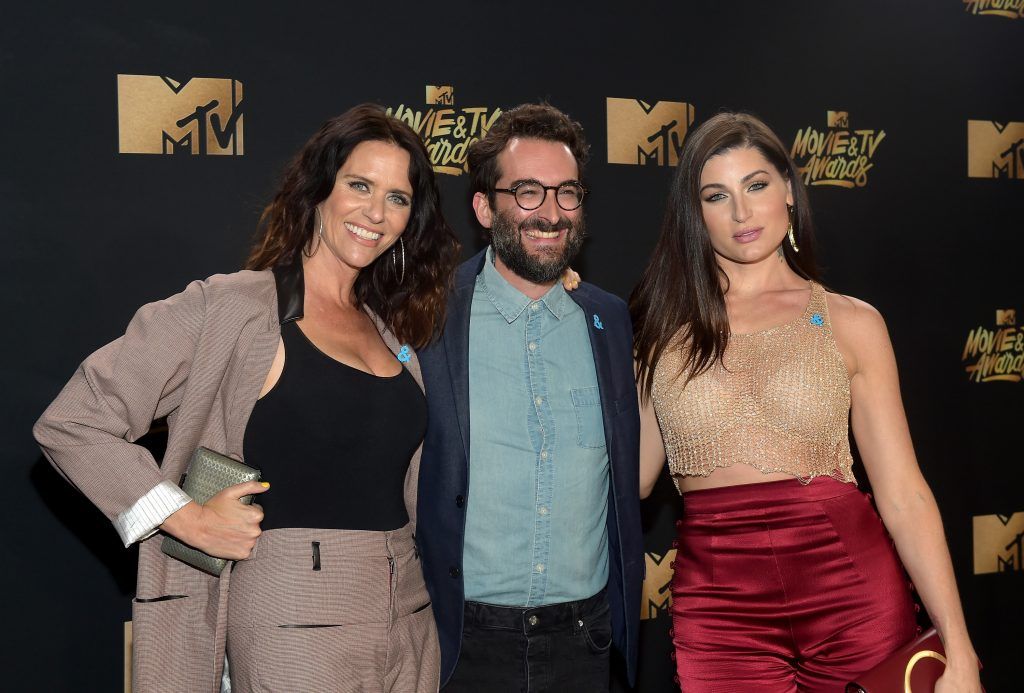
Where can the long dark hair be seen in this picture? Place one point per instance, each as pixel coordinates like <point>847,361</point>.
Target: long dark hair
<point>679,302</point>
<point>413,309</point>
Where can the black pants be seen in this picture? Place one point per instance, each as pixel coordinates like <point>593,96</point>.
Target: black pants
<point>559,648</point>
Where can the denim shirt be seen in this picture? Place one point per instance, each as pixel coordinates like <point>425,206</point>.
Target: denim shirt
<point>536,521</point>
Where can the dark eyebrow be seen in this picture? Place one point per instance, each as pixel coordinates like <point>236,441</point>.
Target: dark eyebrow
<point>744,179</point>
<point>534,180</point>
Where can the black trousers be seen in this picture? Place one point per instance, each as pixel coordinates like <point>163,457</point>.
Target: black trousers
<point>558,648</point>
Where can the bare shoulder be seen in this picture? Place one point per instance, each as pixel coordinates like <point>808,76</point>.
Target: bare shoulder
<point>859,330</point>
<point>848,312</point>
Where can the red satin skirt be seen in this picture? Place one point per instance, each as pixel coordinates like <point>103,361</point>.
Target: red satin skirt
<point>783,586</point>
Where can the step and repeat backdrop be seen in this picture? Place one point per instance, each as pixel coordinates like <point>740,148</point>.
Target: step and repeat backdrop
<point>140,146</point>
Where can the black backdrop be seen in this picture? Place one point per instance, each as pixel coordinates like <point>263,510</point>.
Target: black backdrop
<point>90,233</point>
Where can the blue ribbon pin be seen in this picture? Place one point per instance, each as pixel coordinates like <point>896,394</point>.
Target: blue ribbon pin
<point>817,320</point>
<point>597,322</point>
<point>403,354</point>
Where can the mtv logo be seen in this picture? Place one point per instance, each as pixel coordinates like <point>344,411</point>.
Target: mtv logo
<point>641,133</point>
<point>656,594</point>
<point>997,543</point>
<point>444,95</point>
<point>995,150</point>
<point>1005,318</point>
<point>161,115</point>
<point>838,119</point>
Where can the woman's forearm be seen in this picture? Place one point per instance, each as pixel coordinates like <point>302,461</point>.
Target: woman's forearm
<point>914,522</point>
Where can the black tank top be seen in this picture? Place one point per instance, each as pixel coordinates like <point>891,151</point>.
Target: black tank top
<point>334,442</point>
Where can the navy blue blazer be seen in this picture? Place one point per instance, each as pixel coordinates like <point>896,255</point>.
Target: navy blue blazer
<point>444,466</point>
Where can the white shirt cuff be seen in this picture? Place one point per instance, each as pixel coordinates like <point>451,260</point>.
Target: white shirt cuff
<point>149,512</point>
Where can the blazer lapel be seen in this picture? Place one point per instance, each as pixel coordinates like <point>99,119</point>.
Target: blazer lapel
<point>257,360</point>
<point>392,343</point>
<point>456,345</point>
<point>412,364</point>
<point>456,340</point>
<point>599,347</point>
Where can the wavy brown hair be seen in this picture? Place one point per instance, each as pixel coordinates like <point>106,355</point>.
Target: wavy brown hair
<point>680,302</point>
<point>412,309</point>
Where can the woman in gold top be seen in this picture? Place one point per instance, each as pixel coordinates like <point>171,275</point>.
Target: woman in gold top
<point>748,372</point>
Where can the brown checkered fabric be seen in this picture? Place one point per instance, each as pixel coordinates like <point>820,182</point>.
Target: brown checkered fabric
<point>199,358</point>
<point>350,614</point>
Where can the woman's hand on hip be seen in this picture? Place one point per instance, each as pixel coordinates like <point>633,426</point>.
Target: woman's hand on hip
<point>224,527</point>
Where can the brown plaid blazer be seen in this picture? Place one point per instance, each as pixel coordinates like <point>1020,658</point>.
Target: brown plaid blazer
<point>199,358</point>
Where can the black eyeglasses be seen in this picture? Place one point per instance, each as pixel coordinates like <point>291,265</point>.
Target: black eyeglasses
<point>530,194</point>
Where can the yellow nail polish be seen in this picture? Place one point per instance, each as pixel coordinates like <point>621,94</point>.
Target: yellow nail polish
<point>265,484</point>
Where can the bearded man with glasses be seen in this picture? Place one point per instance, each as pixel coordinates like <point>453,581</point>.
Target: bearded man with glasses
<point>529,520</point>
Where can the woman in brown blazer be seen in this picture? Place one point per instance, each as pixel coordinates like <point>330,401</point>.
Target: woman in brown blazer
<point>302,366</point>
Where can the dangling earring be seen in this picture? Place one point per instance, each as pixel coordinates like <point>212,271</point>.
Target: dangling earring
<point>309,251</point>
<point>792,236</point>
<point>394,261</point>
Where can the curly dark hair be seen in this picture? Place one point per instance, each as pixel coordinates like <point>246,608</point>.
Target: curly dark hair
<point>414,309</point>
<point>680,302</point>
<point>539,121</point>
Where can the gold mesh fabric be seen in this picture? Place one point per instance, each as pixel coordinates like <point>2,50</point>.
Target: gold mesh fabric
<point>781,403</point>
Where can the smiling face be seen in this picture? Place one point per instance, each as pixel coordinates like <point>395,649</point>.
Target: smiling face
<point>370,205</point>
<point>538,244</point>
<point>744,199</point>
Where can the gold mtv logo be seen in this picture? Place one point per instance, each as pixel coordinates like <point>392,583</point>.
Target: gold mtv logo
<point>656,594</point>
<point>997,543</point>
<point>444,95</point>
<point>1006,317</point>
<point>995,150</point>
<point>838,119</point>
<point>161,115</point>
<point>639,133</point>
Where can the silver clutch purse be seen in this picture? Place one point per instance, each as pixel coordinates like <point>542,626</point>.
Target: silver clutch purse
<point>208,473</point>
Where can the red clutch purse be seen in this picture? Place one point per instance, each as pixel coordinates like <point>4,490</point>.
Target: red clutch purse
<point>914,668</point>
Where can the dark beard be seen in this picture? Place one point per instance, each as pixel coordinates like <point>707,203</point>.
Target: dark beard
<point>543,269</point>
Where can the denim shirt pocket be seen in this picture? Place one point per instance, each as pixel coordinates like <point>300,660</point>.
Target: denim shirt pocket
<point>586,402</point>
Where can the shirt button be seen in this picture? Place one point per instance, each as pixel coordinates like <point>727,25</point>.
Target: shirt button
<point>540,567</point>
<point>539,401</point>
<point>533,346</point>
<point>543,510</point>
<point>459,501</point>
<point>533,620</point>
<point>543,454</point>
<point>455,571</point>
<point>534,306</point>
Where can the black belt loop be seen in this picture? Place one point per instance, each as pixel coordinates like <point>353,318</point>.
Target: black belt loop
<point>316,555</point>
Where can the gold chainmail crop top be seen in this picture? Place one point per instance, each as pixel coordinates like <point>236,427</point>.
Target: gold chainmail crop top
<point>781,403</point>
